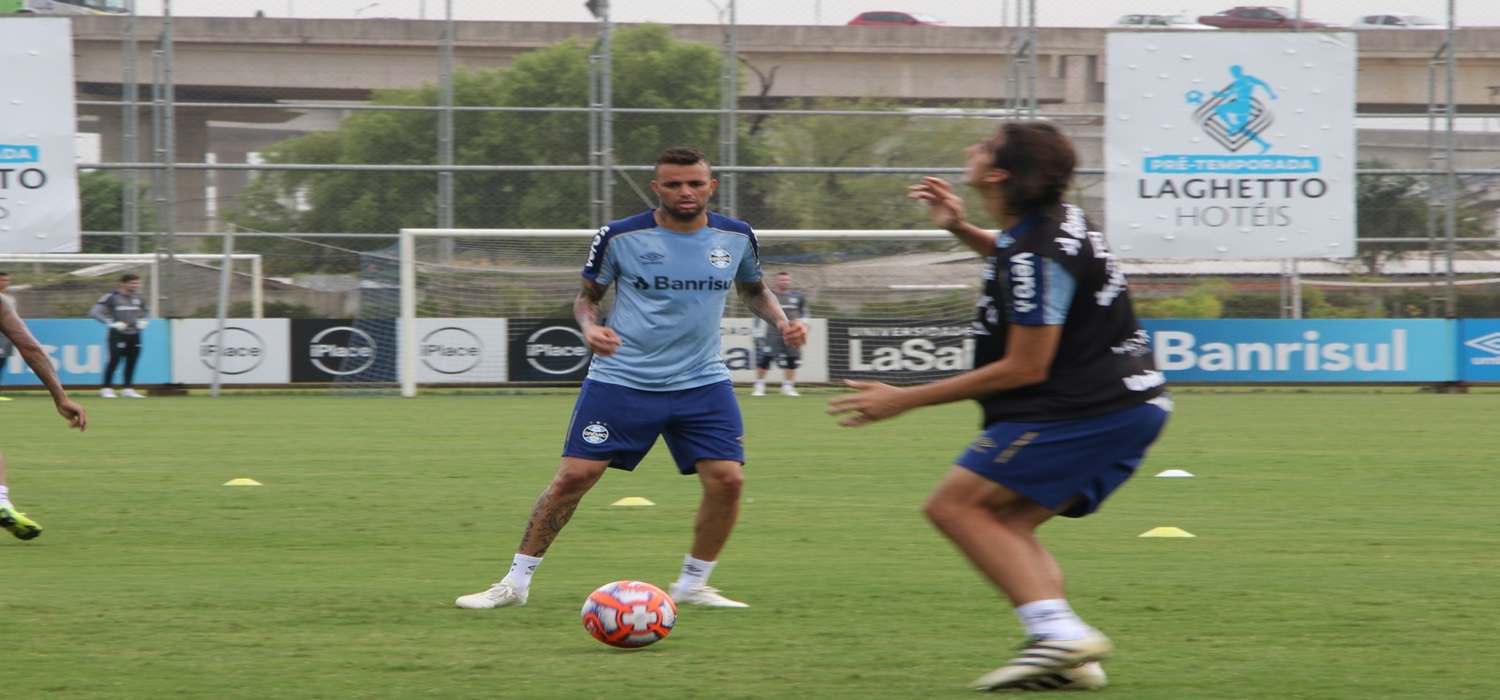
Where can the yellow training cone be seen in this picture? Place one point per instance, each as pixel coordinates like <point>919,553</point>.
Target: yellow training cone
<point>632,501</point>
<point>242,482</point>
<point>1167,532</point>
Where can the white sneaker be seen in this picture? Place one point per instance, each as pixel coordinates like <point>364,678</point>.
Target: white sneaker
<point>699,594</point>
<point>107,393</point>
<point>500,595</point>
<point>789,390</point>
<point>1038,658</point>
<point>131,394</point>
<point>759,390</point>
<point>1089,676</point>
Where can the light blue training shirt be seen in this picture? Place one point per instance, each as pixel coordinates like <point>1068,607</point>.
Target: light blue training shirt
<point>670,290</point>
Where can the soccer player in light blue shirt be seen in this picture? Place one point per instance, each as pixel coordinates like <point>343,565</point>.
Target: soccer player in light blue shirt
<point>657,371</point>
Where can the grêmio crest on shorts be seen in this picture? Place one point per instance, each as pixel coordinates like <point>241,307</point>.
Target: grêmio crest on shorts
<point>1053,268</point>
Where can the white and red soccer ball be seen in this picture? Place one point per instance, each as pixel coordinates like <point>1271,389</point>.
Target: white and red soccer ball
<point>629,614</point>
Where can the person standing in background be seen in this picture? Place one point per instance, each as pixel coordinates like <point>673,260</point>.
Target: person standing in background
<point>771,347</point>
<point>126,314</point>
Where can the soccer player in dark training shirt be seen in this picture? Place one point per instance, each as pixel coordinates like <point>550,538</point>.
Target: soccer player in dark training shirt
<point>1065,377</point>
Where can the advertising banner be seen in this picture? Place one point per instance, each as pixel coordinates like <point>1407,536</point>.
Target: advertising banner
<point>38,175</point>
<point>79,351</point>
<point>1479,350</point>
<point>251,351</point>
<point>461,350</point>
<point>547,350</point>
<point>1230,145</point>
<point>327,350</point>
<point>1419,350</point>
<point>739,352</point>
<point>898,350</point>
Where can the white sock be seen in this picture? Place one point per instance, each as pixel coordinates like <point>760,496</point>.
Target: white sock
<point>694,571</point>
<point>760,384</point>
<point>786,385</point>
<point>1052,620</point>
<point>4,496</point>
<point>521,569</point>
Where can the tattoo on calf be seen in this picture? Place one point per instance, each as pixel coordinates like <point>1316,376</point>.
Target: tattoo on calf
<point>547,520</point>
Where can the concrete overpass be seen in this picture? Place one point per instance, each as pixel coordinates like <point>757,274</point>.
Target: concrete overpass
<point>265,60</point>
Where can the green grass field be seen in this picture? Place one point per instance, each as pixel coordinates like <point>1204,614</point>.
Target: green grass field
<point>1345,548</point>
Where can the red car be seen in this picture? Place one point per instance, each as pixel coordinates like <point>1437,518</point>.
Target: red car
<point>897,19</point>
<point>1253,17</point>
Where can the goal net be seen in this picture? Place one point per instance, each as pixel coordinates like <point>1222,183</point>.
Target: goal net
<point>66,285</point>
<point>495,307</point>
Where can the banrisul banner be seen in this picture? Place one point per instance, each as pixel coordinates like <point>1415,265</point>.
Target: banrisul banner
<point>326,350</point>
<point>38,181</point>
<point>79,349</point>
<point>899,350</point>
<point>1479,350</point>
<point>1230,145</point>
<point>1304,351</point>
<point>547,350</point>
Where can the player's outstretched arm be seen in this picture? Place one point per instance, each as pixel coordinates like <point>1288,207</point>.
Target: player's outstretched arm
<point>1028,359</point>
<point>36,358</point>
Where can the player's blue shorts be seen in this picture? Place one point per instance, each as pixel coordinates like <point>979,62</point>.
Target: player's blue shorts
<point>1051,463</point>
<point>621,424</point>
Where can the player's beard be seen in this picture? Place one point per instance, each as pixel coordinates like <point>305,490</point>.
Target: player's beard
<point>681,214</point>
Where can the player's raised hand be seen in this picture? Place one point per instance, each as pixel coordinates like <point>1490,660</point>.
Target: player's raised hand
<point>874,401</point>
<point>602,340</point>
<point>944,207</point>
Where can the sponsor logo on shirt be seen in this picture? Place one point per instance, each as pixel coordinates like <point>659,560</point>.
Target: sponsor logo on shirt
<point>1023,282</point>
<point>663,282</point>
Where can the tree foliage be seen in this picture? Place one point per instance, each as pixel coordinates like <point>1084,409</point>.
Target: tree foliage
<point>1389,206</point>
<point>857,201</point>
<point>101,198</point>
<point>651,70</point>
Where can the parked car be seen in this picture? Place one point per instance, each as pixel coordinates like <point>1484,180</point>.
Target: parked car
<point>1160,22</point>
<point>1396,20</point>
<point>897,19</point>
<point>1261,17</point>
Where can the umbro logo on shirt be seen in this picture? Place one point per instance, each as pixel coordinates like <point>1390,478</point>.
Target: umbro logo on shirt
<point>652,258</point>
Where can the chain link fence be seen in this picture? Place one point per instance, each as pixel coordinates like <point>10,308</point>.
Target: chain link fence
<point>313,130</point>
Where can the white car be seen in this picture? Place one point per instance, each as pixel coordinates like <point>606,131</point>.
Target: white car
<point>1396,20</point>
<point>1159,22</point>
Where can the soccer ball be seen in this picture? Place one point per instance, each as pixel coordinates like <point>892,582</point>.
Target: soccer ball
<point>629,614</point>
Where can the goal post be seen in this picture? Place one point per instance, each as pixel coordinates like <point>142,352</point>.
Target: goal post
<point>494,306</point>
<point>47,266</point>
